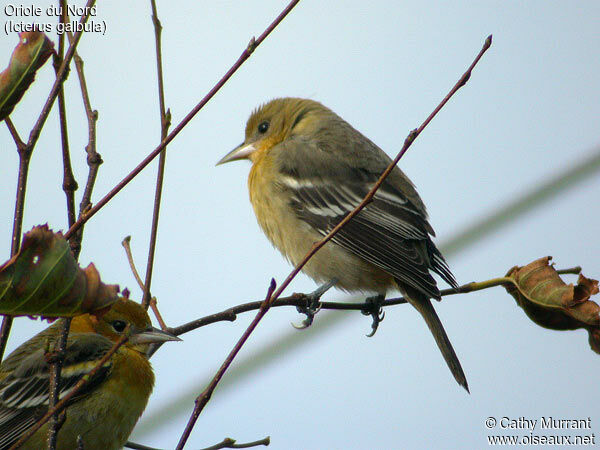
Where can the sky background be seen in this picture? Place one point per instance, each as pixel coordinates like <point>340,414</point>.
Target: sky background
<point>530,111</point>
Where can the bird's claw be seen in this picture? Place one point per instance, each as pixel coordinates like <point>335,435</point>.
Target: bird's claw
<point>375,310</point>
<point>310,310</point>
<point>313,305</point>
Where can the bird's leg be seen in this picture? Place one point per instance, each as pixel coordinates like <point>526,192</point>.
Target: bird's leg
<point>375,310</point>
<point>313,304</point>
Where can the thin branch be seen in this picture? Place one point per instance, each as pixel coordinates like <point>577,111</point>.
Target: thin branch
<point>165,122</point>
<point>14,133</point>
<point>205,396</point>
<point>126,243</point>
<point>4,333</point>
<point>232,443</point>
<point>69,187</point>
<point>69,183</point>
<point>252,45</point>
<point>62,404</point>
<point>225,443</point>
<point>24,158</point>
<point>137,446</point>
<point>303,301</point>
<point>94,160</point>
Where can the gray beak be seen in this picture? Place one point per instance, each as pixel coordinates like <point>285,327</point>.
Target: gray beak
<point>242,151</point>
<point>152,335</point>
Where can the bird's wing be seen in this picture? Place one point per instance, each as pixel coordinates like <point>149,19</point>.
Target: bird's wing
<point>391,232</point>
<point>24,392</point>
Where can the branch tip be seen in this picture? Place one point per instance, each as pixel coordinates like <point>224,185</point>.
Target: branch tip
<point>488,43</point>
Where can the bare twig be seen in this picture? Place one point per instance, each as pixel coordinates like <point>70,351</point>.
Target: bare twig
<point>69,187</point>
<point>14,133</point>
<point>94,160</point>
<point>225,443</point>
<point>24,158</point>
<point>232,443</point>
<point>126,243</point>
<point>69,183</point>
<point>76,388</point>
<point>205,396</point>
<point>303,301</point>
<point>252,45</point>
<point>137,446</point>
<point>165,122</point>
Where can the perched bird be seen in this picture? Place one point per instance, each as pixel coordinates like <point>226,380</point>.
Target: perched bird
<point>106,409</point>
<point>310,169</point>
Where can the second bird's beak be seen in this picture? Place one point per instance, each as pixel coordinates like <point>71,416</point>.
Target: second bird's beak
<point>242,151</point>
<point>152,335</point>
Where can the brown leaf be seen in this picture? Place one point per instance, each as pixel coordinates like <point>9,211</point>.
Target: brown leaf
<point>551,303</point>
<point>29,55</point>
<point>44,279</point>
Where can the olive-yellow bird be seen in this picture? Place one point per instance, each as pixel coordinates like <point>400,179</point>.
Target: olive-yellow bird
<point>310,169</point>
<point>106,409</point>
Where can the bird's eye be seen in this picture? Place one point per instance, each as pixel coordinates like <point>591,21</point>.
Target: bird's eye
<point>119,325</point>
<point>263,127</point>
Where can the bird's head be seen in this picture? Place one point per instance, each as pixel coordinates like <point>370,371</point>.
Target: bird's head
<point>124,317</point>
<point>275,121</point>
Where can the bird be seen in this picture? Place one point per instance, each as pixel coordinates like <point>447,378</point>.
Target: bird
<point>311,168</point>
<point>107,408</point>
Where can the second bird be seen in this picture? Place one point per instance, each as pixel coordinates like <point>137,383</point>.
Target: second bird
<point>310,169</point>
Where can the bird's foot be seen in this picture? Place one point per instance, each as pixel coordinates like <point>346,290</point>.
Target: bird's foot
<point>375,310</point>
<point>313,305</point>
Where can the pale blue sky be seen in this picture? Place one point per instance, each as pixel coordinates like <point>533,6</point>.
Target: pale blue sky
<point>530,110</point>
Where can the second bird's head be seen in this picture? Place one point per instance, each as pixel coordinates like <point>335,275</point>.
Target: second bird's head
<point>125,317</point>
<point>274,122</point>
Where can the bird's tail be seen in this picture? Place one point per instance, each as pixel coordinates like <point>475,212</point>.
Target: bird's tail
<point>425,308</point>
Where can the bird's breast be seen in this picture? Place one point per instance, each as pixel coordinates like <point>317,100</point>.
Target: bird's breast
<point>294,238</point>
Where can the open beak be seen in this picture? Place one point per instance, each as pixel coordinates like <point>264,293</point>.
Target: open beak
<point>152,335</point>
<point>242,151</point>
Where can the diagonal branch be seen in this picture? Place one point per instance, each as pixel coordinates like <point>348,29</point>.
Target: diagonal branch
<point>252,45</point>
<point>203,399</point>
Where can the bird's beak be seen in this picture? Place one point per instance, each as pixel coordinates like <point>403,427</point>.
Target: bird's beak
<point>152,335</point>
<point>242,151</point>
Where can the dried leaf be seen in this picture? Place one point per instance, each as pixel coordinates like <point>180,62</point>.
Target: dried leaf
<point>551,303</point>
<point>44,279</point>
<point>29,55</point>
